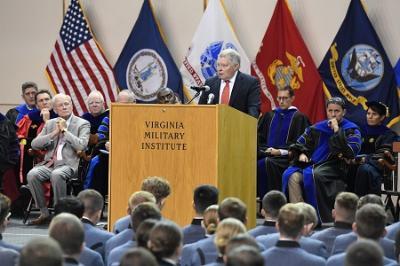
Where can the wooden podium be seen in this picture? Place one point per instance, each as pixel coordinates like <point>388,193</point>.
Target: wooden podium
<point>189,145</point>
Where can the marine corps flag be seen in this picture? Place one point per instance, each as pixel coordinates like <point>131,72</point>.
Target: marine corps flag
<point>145,65</point>
<point>357,68</point>
<point>283,59</point>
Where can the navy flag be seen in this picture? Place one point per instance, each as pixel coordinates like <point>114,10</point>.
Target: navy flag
<point>145,65</point>
<point>357,68</point>
<point>397,73</point>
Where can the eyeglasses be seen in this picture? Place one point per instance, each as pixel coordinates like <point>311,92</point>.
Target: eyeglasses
<point>64,104</point>
<point>282,98</point>
<point>95,102</point>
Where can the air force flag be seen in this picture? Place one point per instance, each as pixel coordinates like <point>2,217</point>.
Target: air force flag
<point>357,68</point>
<point>145,65</point>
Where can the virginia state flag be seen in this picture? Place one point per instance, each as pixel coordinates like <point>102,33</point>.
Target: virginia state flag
<point>145,65</point>
<point>283,59</point>
<point>214,34</point>
<point>357,68</point>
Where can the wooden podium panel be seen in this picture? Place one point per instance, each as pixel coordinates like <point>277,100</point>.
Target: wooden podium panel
<point>186,145</point>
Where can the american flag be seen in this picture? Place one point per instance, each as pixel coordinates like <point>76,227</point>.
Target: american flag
<point>77,65</point>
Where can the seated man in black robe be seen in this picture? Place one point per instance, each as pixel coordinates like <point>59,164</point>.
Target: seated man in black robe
<point>277,130</point>
<point>319,160</point>
<point>377,144</point>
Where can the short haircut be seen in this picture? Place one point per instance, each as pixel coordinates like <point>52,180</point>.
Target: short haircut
<point>61,96</point>
<point>142,212</point>
<point>291,221</point>
<point>245,256</point>
<point>204,196</point>
<point>42,92</point>
<point>27,85</point>
<point>369,198</point>
<point>127,93</point>
<point>241,240</point>
<point>346,205</point>
<point>69,204</point>
<point>273,202</point>
<point>92,201</point>
<point>364,252</point>
<point>95,94</point>
<point>338,101</point>
<point>68,231</point>
<point>288,89</point>
<point>138,257</point>
<point>142,233</point>
<point>232,55</point>
<point>165,239</point>
<point>232,207</point>
<point>227,229</point>
<point>310,215</point>
<point>5,204</point>
<point>371,221</point>
<point>41,251</point>
<point>139,197</point>
<point>210,219</point>
<point>158,186</point>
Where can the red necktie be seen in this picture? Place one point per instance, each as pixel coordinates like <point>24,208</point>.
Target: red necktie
<point>225,93</point>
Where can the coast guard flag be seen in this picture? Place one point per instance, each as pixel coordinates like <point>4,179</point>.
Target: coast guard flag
<point>357,68</point>
<point>283,60</point>
<point>214,34</point>
<point>397,72</point>
<point>77,65</point>
<point>145,65</point>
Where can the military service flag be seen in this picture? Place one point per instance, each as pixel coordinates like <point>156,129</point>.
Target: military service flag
<point>283,60</point>
<point>397,73</point>
<point>214,34</point>
<point>357,68</point>
<point>145,65</point>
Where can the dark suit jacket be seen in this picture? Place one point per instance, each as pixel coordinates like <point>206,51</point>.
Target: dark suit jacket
<point>245,94</point>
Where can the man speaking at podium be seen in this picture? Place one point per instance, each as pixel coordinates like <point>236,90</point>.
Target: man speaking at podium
<point>232,87</point>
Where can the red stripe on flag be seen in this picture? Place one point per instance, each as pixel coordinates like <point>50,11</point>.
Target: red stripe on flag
<point>111,92</point>
<point>59,75</point>
<point>88,69</point>
<point>78,72</point>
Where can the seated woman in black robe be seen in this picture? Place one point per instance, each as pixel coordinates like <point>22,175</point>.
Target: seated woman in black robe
<point>377,144</point>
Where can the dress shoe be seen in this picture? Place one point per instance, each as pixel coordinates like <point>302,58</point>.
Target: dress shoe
<point>41,220</point>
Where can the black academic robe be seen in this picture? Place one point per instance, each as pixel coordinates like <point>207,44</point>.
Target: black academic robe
<point>277,129</point>
<point>369,176</point>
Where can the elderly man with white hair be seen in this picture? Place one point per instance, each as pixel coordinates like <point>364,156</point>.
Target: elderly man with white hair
<point>62,137</point>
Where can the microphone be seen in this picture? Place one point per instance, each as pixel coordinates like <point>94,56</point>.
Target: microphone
<point>201,88</point>
<point>211,97</point>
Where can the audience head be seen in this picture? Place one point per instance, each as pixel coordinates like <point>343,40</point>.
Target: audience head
<point>142,212</point>
<point>93,203</point>
<point>244,256</point>
<point>272,203</point>
<point>29,90</point>
<point>234,208</point>
<point>345,207</point>
<point>364,252</point>
<point>138,257</point>
<point>67,230</point>
<point>285,97</point>
<point>203,197</point>
<point>43,99</point>
<point>126,96</point>
<point>241,240</point>
<point>227,229</point>
<point>290,221</point>
<point>5,205</point>
<point>142,233</point>
<point>310,217</point>
<point>42,251</point>
<point>335,108</point>
<point>376,113</point>
<point>69,204</point>
<point>210,219</point>
<point>370,198</point>
<point>139,197</point>
<point>370,221</point>
<point>62,105</point>
<point>95,103</point>
<point>228,63</point>
<point>159,187</point>
<point>165,240</point>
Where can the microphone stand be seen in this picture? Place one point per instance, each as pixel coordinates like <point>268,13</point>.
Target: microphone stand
<point>194,97</point>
